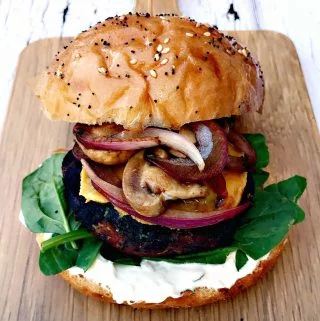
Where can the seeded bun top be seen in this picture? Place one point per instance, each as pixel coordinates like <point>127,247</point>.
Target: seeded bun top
<point>139,71</point>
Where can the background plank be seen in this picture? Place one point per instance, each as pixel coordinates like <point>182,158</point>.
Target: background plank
<point>290,292</point>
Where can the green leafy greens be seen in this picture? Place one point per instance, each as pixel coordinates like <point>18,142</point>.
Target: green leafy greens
<point>258,142</point>
<point>274,210</point>
<point>44,206</point>
<point>45,210</point>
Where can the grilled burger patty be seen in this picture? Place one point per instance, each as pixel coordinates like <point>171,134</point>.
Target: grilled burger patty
<point>132,237</point>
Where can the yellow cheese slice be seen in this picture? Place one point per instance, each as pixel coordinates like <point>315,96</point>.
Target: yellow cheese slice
<point>88,191</point>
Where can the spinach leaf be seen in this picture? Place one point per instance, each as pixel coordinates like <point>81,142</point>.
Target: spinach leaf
<point>292,188</point>
<point>57,260</point>
<point>268,203</point>
<point>65,238</point>
<point>88,253</point>
<point>216,256</point>
<point>261,235</point>
<point>43,203</point>
<point>258,142</point>
<point>259,178</point>
<point>268,221</point>
<point>241,259</point>
<point>74,225</point>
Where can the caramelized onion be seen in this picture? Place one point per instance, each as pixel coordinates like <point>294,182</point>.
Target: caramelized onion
<point>110,137</point>
<point>243,163</point>
<point>78,152</point>
<point>213,147</point>
<point>219,186</point>
<point>177,142</point>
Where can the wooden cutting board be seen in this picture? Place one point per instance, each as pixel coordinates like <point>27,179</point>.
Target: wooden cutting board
<point>291,291</point>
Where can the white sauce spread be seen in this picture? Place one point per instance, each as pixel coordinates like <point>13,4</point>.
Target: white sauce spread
<point>154,281</point>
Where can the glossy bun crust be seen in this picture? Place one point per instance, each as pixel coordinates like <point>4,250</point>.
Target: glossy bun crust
<point>198,297</point>
<point>139,71</point>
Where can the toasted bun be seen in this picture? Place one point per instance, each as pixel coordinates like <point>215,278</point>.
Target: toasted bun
<point>199,296</point>
<point>114,73</point>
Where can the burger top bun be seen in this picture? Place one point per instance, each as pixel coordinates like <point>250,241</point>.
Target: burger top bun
<point>139,71</point>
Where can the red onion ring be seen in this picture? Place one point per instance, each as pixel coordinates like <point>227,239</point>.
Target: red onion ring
<point>177,142</point>
<point>213,147</point>
<point>112,140</point>
<point>241,164</point>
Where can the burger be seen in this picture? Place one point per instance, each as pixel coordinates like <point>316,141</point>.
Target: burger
<point>161,200</point>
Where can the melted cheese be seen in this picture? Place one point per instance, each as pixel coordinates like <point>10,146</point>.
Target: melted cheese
<point>236,183</point>
<point>91,194</point>
<point>88,191</point>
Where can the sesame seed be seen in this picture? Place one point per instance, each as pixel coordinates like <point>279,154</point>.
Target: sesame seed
<point>189,34</point>
<point>153,73</point>
<point>156,57</point>
<point>243,52</point>
<point>166,40</point>
<point>58,73</point>
<point>207,34</point>
<point>198,24</point>
<point>159,48</point>
<point>155,100</point>
<point>89,107</point>
<point>102,70</point>
<point>121,18</point>
<point>162,18</point>
<point>77,55</point>
<point>133,61</point>
<point>165,50</point>
<point>164,61</point>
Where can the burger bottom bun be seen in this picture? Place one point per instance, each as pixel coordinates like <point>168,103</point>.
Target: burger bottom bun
<point>198,297</point>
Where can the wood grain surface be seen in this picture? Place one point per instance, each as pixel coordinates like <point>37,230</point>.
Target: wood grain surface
<point>291,291</point>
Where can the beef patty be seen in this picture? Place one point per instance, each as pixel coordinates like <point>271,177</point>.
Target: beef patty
<point>131,237</point>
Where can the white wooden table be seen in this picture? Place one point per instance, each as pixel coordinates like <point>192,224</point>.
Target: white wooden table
<point>24,21</point>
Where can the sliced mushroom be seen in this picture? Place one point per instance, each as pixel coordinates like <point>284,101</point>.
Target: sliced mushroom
<point>147,187</point>
<point>107,157</point>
